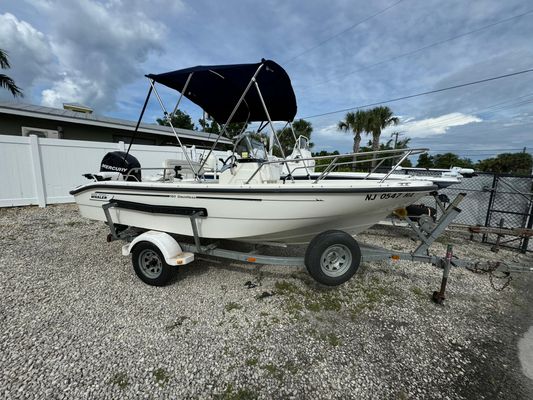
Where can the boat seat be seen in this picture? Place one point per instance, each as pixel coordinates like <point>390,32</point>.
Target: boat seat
<point>159,177</point>
<point>185,169</point>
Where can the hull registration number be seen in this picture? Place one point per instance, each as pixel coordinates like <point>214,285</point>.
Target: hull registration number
<point>384,196</point>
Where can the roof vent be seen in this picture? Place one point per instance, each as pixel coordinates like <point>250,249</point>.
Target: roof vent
<point>77,107</point>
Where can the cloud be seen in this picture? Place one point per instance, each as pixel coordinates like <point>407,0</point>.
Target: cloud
<point>29,51</point>
<point>433,126</point>
<point>90,50</point>
<point>100,47</point>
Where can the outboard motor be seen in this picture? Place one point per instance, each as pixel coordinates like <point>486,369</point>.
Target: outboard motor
<point>119,161</point>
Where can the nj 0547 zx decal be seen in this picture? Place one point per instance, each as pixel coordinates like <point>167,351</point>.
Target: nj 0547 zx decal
<point>384,196</point>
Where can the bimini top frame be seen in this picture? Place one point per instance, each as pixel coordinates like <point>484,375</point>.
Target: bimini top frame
<point>260,92</point>
<point>224,92</point>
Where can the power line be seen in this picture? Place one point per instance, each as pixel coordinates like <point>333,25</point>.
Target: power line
<point>342,32</point>
<point>421,48</point>
<point>422,93</point>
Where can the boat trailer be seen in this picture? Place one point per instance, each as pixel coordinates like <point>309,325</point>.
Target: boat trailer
<point>176,252</point>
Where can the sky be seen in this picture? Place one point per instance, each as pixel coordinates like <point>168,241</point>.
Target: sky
<point>339,54</point>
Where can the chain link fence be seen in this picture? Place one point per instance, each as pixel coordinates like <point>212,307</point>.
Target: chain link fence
<point>489,199</point>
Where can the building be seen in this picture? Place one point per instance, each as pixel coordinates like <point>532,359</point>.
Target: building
<point>77,122</point>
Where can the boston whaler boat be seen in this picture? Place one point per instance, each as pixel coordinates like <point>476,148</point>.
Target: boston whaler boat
<point>250,201</point>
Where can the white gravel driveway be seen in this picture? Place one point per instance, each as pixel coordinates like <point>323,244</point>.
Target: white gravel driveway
<point>76,323</point>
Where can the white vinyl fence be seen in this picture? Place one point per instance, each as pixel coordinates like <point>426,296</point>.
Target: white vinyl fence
<point>42,171</point>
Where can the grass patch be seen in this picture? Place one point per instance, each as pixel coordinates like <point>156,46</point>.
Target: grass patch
<point>74,223</point>
<point>370,295</point>
<point>120,379</point>
<point>232,306</point>
<point>251,362</point>
<point>273,371</point>
<point>333,339</point>
<point>291,367</point>
<point>418,292</point>
<point>313,306</point>
<point>161,377</point>
<point>284,287</point>
<point>314,300</point>
<point>231,394</point>
<point>227,352</point>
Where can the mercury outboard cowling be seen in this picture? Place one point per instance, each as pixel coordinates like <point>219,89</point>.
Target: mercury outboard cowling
<point>119,161</point>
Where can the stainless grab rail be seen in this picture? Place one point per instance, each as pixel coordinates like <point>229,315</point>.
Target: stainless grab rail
<point>388,155</point>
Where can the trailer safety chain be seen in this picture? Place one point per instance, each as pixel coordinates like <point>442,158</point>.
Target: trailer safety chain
<point>490,270</point>
<point>507,275</point>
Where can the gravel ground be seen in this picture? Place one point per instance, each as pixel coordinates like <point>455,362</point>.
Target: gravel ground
<point>75,322</point>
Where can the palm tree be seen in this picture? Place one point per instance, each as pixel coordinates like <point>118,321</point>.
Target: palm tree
<point>357,123</point>
<point>286,138</point>
<point>6,81</point>
<point>379,118</point>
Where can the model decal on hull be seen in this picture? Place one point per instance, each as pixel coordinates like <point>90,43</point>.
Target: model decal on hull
<point>100,196</point>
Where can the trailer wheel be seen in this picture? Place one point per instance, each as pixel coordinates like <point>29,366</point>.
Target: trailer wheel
<point>332,257</point>
<point>149,264</point>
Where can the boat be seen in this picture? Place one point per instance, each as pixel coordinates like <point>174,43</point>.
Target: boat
<point>252,199</point>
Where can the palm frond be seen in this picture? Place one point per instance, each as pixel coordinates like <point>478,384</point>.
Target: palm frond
<point>9,84</point>
<point>4,62</point>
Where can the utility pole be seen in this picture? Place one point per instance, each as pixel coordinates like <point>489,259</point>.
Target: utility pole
<point>396,134</point>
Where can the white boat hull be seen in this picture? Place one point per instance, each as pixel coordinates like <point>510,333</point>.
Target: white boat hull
<point>291,213</point>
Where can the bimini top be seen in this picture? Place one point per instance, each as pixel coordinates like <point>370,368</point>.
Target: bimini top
<point>218,88</point>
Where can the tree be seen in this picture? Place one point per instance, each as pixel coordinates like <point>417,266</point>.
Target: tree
<point>357,123</point>
<point>448,160</point>
<point>209,127</point>
<point>378,119</point>
<point>425,161</point>
<point>507,163</point>
<point>400,144</point>
<point>233,129</point>
<point>6,81</point>
<point>180,119</point>
<point>301,128</point>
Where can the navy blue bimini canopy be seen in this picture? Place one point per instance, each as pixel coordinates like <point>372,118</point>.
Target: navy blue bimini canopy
<point>218,88</point>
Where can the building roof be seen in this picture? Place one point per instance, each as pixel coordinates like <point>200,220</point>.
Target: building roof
<point>57,114</point>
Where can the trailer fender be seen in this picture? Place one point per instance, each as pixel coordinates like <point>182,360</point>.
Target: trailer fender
<point>170,249</point>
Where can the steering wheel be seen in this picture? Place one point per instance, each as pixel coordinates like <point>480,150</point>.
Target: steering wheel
<point>224,162</point>
<point>227,163</point>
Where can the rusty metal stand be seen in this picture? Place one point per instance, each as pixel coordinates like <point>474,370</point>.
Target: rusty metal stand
<point>439,297</point>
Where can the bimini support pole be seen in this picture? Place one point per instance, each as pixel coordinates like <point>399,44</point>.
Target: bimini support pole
<point>181,93</point>
<point>224,127</point>
<point>184,150</point>
<point>139,120</point>
<point>273,131</point>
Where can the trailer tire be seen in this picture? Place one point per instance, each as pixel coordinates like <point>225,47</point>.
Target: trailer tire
<point>150,265</point>
<point>332,257</point>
